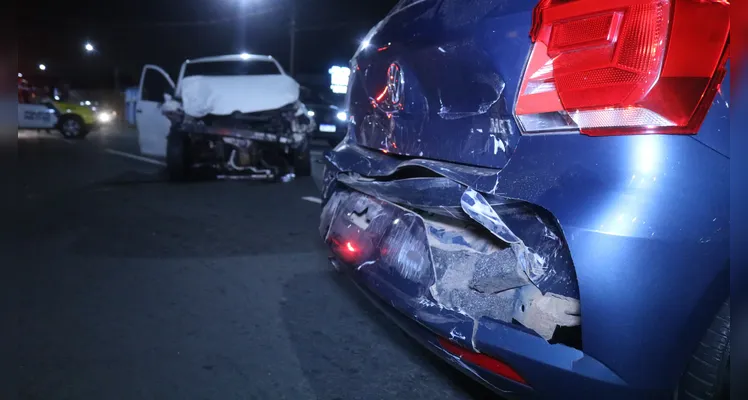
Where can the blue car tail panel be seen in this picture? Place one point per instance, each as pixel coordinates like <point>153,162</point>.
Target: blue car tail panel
<point>647,222</point>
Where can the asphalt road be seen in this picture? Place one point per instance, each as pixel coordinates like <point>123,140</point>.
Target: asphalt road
<point>123,286</point>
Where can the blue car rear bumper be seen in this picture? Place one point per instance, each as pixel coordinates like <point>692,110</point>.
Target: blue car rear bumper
<point>551,371</point>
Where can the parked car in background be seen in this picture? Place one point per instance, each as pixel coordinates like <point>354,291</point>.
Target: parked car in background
<point>331,119</point>
<point>238,116</point>
<point>537,191</point>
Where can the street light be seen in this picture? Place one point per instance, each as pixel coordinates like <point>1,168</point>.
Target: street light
<point>89,47</point>
<point>42,67</point>
<point>20,75</point>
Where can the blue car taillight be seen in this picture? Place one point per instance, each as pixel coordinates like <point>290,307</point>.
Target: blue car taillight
<point>623,66</point>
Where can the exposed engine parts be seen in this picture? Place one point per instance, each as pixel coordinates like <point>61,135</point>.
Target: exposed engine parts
<point>268,145</point>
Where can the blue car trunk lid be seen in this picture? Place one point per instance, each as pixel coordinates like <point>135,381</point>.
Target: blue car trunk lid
<point>449,100</point>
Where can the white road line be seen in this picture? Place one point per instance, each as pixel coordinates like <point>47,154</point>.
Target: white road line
<point>136,157</point>
<point>312,199</point>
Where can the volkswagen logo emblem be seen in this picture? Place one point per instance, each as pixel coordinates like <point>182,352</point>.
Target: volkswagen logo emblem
<point>395,83</point>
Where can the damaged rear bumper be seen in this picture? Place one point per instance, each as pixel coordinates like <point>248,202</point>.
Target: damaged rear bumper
<point>550,371</point>
<point>445,265</point>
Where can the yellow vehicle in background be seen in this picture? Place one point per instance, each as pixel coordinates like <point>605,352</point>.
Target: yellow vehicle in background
<point>74,119</point>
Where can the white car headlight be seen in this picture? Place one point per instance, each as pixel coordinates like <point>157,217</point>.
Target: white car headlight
<point>343,116</point>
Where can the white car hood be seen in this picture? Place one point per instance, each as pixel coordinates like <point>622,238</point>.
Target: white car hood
<point>225,95</point>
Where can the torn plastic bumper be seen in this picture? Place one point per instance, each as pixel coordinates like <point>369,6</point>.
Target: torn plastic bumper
<point>454,263</point>
<point>447,276</point>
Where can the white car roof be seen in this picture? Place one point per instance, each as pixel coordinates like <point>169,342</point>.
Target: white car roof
<point>232,57</point>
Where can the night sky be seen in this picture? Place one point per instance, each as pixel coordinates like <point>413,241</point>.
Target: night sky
<point>130,33</point>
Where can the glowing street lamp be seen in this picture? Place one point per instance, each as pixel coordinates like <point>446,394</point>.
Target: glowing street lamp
<point>89,47</point>
<point>42,67</point>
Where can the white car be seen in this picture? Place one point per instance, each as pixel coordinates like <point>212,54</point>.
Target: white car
<point>236,115</point>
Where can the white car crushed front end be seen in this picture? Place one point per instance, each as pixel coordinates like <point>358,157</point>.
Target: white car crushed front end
<point>244,126</point>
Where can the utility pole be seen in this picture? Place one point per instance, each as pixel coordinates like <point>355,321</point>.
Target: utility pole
<point>293,36</point>
<point>116,79</point>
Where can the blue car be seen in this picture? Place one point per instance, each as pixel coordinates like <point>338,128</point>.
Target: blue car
<point>537,191</point>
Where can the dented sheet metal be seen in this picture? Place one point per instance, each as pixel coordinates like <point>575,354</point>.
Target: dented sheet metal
<point>440,196</point>
<point>413,192</point>
<point>349,157</point>
<point>473,90</point>
<point>445,108</point>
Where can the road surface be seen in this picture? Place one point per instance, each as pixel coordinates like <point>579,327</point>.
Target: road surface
<point>123,286</point>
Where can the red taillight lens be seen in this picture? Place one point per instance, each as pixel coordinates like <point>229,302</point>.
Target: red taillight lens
<point>623,66</point>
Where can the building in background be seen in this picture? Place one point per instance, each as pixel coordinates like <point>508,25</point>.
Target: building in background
<point>131,103</point>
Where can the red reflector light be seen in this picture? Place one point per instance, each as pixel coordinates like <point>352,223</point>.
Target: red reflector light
<point>623,66</point>
<point>482,360</point>
<point>347,250</point>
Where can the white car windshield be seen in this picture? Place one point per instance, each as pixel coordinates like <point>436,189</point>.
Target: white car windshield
<point>232,68</point>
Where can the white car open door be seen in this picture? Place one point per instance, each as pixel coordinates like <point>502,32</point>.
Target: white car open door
<point>153,126</point>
